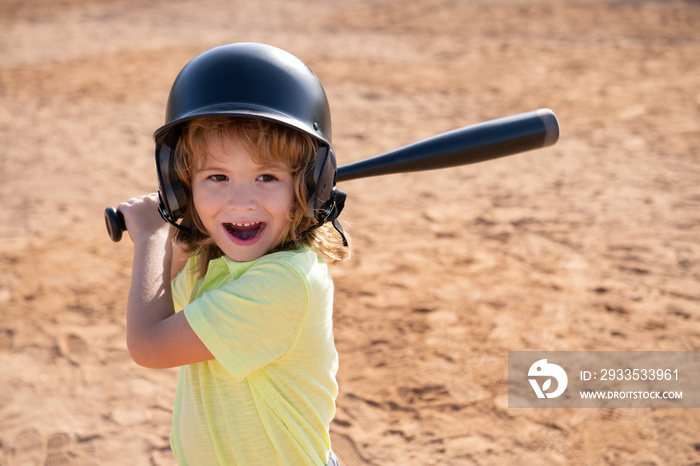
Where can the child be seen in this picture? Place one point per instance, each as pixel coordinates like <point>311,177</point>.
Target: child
<point>245,164</point>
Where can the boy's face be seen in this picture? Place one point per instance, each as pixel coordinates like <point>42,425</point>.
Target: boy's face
<point>243,206</point>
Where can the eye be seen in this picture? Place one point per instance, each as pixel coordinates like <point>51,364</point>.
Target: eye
<point>267,178</point>
<point>218,178</point>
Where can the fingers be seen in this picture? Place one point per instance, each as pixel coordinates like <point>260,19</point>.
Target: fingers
<point>141,215</point>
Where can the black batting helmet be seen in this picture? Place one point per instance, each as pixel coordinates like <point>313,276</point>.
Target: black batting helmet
<point>250,80</point>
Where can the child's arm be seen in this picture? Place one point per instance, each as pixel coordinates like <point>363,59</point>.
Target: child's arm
<point>156,336</point>
<point>180,258</point>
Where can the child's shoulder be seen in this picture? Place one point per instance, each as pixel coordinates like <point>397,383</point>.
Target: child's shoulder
<point>292,272</point>
<point>302,259</point>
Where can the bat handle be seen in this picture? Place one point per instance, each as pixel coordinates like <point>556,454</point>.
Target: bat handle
<point>115,223</point>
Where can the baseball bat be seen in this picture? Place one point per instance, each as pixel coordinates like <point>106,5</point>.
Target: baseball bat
<point>470,144</point>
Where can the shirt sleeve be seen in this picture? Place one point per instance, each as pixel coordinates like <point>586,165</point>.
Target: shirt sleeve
<point>252,321</point>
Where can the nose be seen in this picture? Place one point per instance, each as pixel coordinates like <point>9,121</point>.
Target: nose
<point>241,197</point>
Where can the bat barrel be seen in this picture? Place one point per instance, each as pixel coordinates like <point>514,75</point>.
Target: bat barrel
<point>471,144</point>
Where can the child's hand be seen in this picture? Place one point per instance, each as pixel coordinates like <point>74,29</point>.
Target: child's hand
<point>142,218</point>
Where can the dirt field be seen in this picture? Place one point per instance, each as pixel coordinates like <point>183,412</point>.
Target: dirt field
<point>592,244</point>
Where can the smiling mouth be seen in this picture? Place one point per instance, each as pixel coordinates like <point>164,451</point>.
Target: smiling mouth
<point>245,231</point>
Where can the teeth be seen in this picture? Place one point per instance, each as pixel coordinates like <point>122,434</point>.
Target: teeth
<point>245,230</point>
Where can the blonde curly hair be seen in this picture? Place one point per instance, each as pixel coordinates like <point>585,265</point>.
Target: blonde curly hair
<point>269,143</point>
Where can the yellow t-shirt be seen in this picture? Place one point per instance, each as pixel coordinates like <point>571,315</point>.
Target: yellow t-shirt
<point>268,397</point>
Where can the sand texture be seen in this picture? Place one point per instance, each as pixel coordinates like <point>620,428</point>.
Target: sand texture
<point>592,244</point>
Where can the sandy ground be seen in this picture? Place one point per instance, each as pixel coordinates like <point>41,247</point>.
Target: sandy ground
<point>592,244</point>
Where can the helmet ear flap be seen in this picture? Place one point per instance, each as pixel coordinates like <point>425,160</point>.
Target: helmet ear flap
<point>325,200</point>
<point>172,193</point>
<point>322,183</point>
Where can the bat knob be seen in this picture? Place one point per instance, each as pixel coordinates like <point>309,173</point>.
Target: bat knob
<point>115,223</point>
